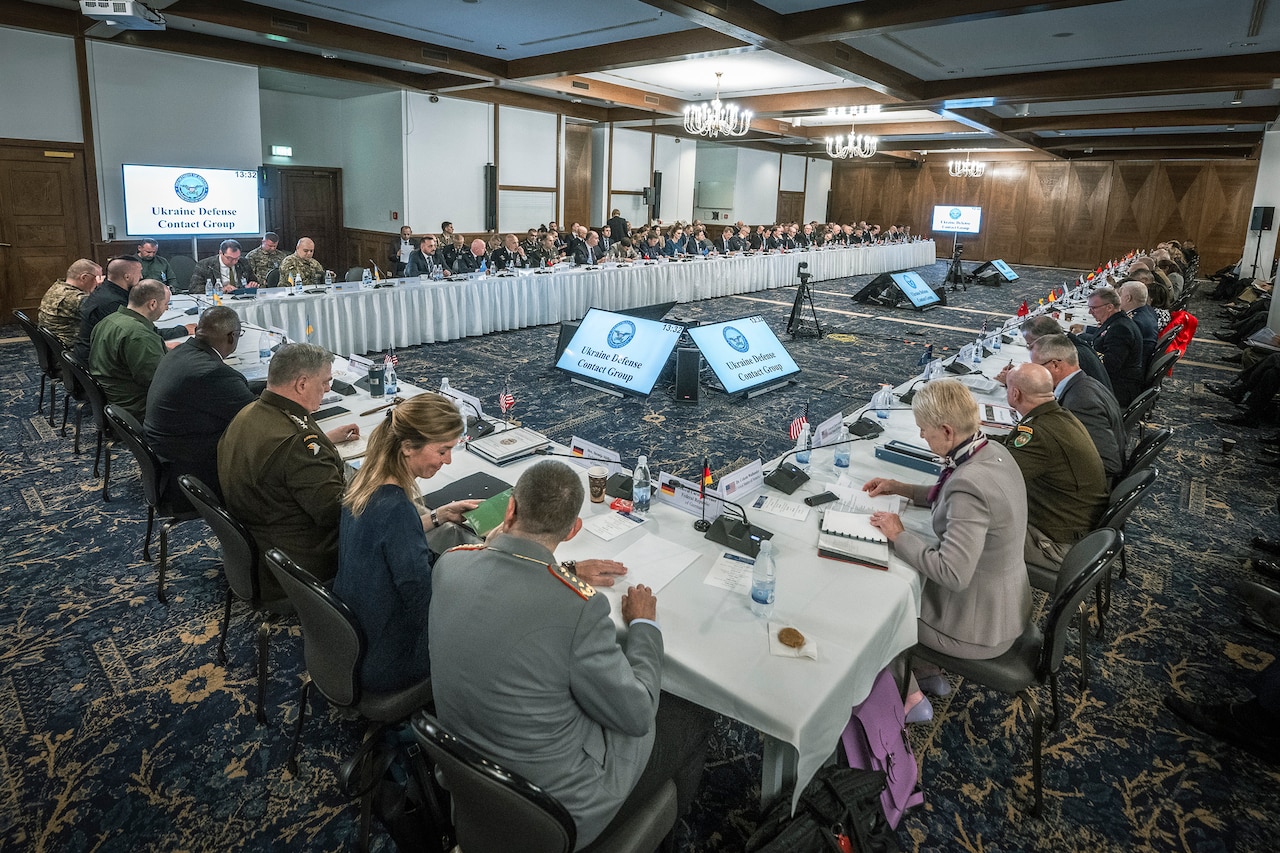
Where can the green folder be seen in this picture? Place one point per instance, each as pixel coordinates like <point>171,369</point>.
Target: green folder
<point>489,514</point>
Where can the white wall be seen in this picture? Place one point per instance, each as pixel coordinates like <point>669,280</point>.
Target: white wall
<point>306,123</point>
<point>716,173</point>
<point>45,105</point>
<point>599,172</point>
<point>446,147</point>
<point>527,148</point>
<point>632,160</point>
<point>373,163</point>
<point>1266,193</point>
<point>205,113</point>
<point>755,192</point>
<point>817,187</point>
<point>677,160</point>
<point>792,173</point>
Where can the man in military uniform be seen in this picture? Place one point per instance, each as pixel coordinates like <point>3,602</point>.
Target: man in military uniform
<point>281,474</point>
<point>266,257</point>
<point>301,267</point>
<point>60,306</point>
<point>1066,485</point>
<point>511,255</point>
<point>126,348</point>
<point>154,266</point>
<point>562,701</point>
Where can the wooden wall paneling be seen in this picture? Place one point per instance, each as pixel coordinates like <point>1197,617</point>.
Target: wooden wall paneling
<point>1002,213</point>
<point>577,175</point>
<point>877,183</point>
<point>1228,194</point>
<point>845,190</point>
<point>1084,215</point>
<point>1130,194</point>
<point>1177,200</point>
<point>362,246</point>
<point>1042,213</point>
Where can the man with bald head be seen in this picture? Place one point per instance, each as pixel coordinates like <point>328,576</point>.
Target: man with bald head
<point>113,294</point>
<point>1066,485</point>
<point>126,349</point>
<point>470,260</point>
<point>60,306</point>
<point>302,266</point>
<point>1085,397</point>
<point>1133,301</point>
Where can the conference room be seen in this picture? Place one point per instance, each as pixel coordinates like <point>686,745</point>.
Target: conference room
<point>348,123</point>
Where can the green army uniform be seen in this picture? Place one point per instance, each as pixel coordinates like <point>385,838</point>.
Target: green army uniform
<point>1066,484</point>
<point>262,262</point>
<point>282,477</point>
<point>123,354</point>
<point>158,268</point>
<point>308,272</point>
<point>60,312</point>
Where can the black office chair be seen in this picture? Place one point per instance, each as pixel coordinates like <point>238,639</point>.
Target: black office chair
<point>46,358</point>
<point>183,268</point>
<point>1137,412</point>
<point>273,278</point>
<point>96,398</point>
<point>492,805</point>
<point>1037,655</point>
<point>1159,368</point>
<point>333,647</point>
<point>354,274</point>
<point>1144,454</point>
<point>241,566</point>
<point>127,429</point>
<point>1125,498</point>
<point>1167,336</point>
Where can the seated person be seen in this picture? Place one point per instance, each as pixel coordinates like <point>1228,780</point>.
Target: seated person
<point>548,252</point>
<point>111,295</point>
<point>1118,343</point>
<point>1067,487</point>
<point>724,245</point>
<point>650,250</point>
<point>126,348</point>
<point>1086,398</point>
<point>60,305</point>
<point>426,259</point>
<point>510,255</point>
<point>301,268</point>
<point>281,474</point>
<point>154,266</point>
<point>193,398</point>
<point>227,270</point>
<point>266,257</point>
<point>587,251</point>
<point>1133,301</point>
<point>623,251</point>
<point>675,244</point>
<point>562,701</point>
<point>976,600</point>
<point>1252,389</point>
<point>1034,328</point>
<point>471,259</point>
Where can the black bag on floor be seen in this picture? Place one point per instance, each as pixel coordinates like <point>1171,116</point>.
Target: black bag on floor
<point>406,799</point>
<point>839,812</point>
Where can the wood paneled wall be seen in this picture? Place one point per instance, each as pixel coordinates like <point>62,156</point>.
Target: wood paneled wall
<point>577,173</point>
<point>1059,213</point>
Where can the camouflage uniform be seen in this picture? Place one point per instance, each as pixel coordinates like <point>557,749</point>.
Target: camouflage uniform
<point>60,312</point>
<point>262,262</point>
<point>307,271</point>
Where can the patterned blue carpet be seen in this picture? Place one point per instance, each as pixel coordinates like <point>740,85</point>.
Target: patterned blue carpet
<point>121,732</point>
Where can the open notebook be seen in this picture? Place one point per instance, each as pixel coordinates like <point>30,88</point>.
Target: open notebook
<point>849,536</point>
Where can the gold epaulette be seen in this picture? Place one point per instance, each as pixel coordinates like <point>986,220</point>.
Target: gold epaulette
<point>479,546</point>
<point>569,579</point>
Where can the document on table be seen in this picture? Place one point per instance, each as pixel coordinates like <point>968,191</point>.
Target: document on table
<point>611,525</point>
<point>782,507</point>
<point>654,561</point>
<point>731,571</point>
<point>853,499</point>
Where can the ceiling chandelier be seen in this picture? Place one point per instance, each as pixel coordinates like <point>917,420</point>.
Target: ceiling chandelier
<point>967,168</point>
<point>716,118</point>
<point>857,145</point>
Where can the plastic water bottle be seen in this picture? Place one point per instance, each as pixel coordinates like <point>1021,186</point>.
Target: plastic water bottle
<point>842,450</point>
<point>934,370</point>
<point>804,446</point>
<point>640,488</point>
<point>763,581</point>
<point>264,346</point>
<point>882,400</point>
<point>208,289</point>
<point>995,341</point>
<point>389,383</point>
<point>977,351</point>
<point>366,278</point>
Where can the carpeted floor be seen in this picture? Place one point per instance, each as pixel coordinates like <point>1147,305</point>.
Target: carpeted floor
<point>121,731</point>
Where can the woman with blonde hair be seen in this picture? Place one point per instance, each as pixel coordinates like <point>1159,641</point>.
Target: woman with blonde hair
<point>384,559</point>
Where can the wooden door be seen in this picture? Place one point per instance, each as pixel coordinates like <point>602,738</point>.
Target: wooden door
<point>44,220</point>
<point>308,203</point>
<point>790,207</point>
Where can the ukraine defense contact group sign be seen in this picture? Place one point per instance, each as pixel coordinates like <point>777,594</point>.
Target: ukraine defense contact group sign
<point>189,201</point>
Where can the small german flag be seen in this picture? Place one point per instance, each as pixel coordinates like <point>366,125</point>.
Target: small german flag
<point>706,472</point>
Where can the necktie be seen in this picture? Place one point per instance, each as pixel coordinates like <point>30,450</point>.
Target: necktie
<point>231,276</point>
<point>590,256</point>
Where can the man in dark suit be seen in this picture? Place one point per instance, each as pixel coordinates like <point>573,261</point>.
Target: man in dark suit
<point>617,225</point>
<point>470,260</point>
<point>1134,302</point>
<point>1038,327</point>
<point>400,249</point>
<point>606,239</point>
<point>510,255</point>
<point>192,399</point>
<point>1086,398</point>
<point>426,259</point>
<point>1118,343</point>
<point>587,251</point>
<point>564,702</point>
<point>227,270</point>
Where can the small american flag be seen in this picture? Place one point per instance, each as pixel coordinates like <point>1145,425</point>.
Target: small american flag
<point>391,358</point>
<point>506,400</point>
<point>798,424</point>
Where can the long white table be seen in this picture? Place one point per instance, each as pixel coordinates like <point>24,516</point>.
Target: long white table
<point>418,312</point>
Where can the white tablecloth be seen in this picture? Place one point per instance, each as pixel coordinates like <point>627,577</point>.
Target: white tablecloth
<point>417,312</point>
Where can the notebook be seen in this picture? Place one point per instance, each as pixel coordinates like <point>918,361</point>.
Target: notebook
<point>849,536</point>
<point>508,445</point>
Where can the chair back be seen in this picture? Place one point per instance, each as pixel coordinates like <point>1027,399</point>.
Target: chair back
<point>354,274</point>
<point>45,355</point>
<point>1086,562</point>
<point>183,268</point>
<point>273,278</point>
<point>1125,498</point>
<point>127,429</point>
<point>1146,451</point>
<point>1167,336</point>
<point>239,550</point>
<point>1160,367</point>
<point>491,805</point>
<point>92,389</point>
<point>332,643</point>
<point>1141,406</point>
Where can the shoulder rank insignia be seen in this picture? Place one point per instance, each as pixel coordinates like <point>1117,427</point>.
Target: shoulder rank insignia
<point>1023,435</point>
<point>479,546</point>
<point>312,444</point>
<point>569,579</point>
<point>297,421</point>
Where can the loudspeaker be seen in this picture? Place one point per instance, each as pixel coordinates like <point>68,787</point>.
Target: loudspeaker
<point>657,195</point>
<point>490,197</point>
<point>874,288</point>
<point>567,331</point>
<point>268,182</point>
<point>1262,218</point>
<point>688,366</point>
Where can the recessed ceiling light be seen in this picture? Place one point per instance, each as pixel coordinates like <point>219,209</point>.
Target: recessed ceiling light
<point>1063,35</point>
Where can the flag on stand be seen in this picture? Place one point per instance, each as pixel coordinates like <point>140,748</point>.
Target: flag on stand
<point>506,401</point>
<point>1053,295</point>
<point>926,356</point>
<point>391,357</point>
<point>310,329</point>
<point>797,425</point>
<point>1023,310</point>
<point>706,472</point>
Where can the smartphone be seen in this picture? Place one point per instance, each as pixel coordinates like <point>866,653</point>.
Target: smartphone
<point>819,500</point>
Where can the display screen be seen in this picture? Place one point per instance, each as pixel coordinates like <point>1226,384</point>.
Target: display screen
<point>1009,274</point>
<point>914,288</point>
<point>189,201</point>
<point>955,219</point>
<point>743,353</point>
<point>623,352</point>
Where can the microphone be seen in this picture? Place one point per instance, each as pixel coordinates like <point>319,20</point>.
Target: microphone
<point>736,533</point>
<point>787,477</point>
<point>477,427</point>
